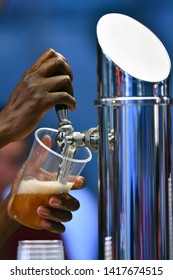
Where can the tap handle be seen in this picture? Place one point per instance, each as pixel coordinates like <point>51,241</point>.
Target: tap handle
<point>62,112</point>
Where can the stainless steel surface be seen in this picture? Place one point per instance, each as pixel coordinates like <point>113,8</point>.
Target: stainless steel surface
<point>67,137</point>
<point>64,169</point>
<point>135,171</point>
<point>69,140</point>
<point>64,129</point>
<point>88,138</point>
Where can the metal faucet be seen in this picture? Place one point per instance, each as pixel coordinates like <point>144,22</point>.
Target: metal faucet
<point>67,138</point>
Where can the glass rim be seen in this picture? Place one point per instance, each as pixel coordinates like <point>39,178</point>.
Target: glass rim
<point>57,154</point>
<point>40,241</point>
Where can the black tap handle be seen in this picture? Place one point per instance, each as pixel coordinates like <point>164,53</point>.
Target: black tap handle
<point>60,107</point>
<point>62,113</point>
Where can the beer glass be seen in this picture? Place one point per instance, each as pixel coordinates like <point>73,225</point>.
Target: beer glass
<point>47,173</point>
<point>40,250</point>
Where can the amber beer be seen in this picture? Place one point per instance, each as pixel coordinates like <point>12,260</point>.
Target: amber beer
<point>32,194</point>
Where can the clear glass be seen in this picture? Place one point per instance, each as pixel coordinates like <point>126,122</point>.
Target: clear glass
<point>40,250</point>
<point>41,176</point>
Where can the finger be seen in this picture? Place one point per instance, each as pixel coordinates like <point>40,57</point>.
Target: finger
<point>53,214</point>
<point>52,226</point>
<point>60,98</point>
<point>55,66</point>
<point>46,140</point>
<point>60,83</point>
<point>39,154</point>
<point>50,53</point>
<point>79,183</point>
<point>67,203</point>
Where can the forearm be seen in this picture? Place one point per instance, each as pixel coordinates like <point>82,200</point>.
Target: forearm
<point>7,225</point>
<point>4,130</point>
<point>9,127</point>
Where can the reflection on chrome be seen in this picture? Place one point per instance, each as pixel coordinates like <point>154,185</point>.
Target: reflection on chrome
<point>135,171</point>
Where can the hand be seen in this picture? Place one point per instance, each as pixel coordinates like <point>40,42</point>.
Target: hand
<point>47,83</point>
<point>59,210</point>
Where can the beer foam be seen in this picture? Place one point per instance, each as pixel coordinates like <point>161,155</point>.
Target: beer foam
<point>43,187</point>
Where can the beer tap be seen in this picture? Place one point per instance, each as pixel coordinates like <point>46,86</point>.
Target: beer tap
<point>67,137</point>
<point>67,150</point>
<point>69,140</point>
<point>64,129</point>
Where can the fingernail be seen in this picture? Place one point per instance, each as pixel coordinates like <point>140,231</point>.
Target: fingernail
<point>45,223</point>
<point>80,182</point>
<point>55,201</point>
<point>43,211</point>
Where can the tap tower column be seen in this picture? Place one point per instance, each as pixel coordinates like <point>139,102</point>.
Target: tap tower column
<point>135,156</point>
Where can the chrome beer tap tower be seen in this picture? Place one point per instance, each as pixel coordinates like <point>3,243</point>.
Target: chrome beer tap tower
<point>133,140</point>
